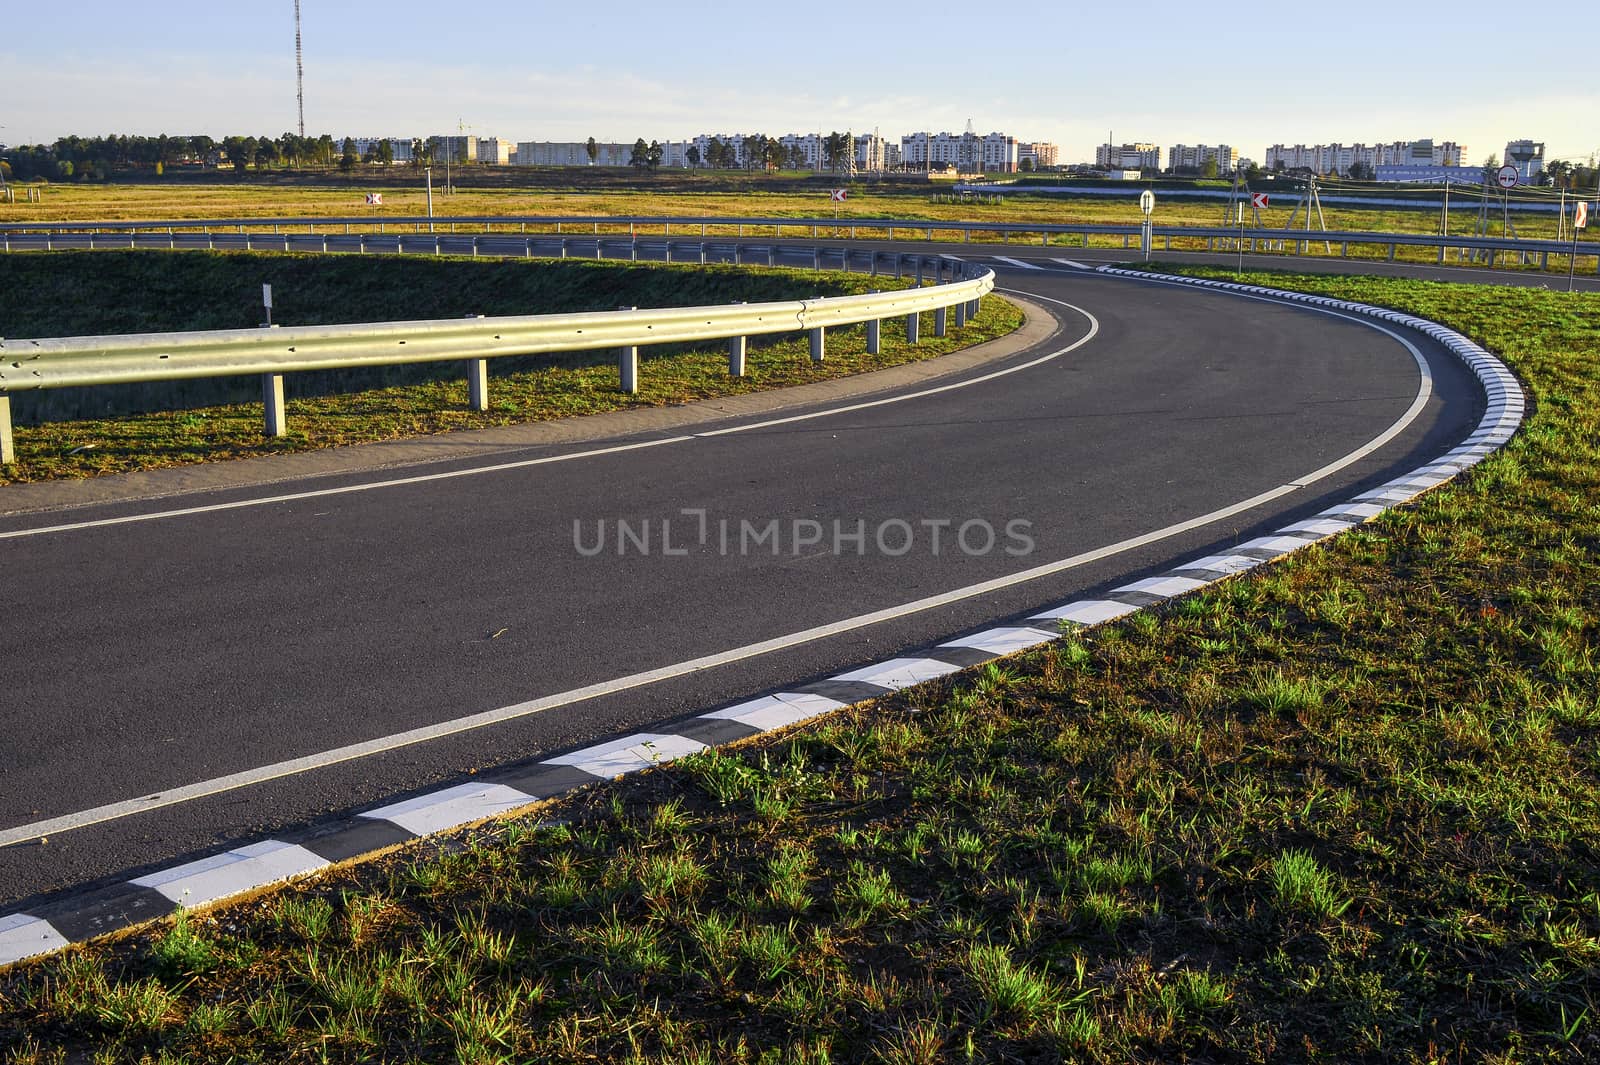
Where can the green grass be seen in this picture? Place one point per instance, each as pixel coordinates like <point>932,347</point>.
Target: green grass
<point>1345,807</point>
<point>106,292</point>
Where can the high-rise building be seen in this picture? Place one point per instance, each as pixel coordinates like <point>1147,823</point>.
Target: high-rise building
<point>1196,156</point>
<point>1128,156</point>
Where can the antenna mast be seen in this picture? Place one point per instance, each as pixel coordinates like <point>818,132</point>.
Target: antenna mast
<point>299,71</point>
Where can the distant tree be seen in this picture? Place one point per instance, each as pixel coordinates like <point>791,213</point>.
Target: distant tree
<point>348,158</point>
<point>1026,166</point>
<point>1208,169</point>
<point>1361,171</point>
<point>640,158</point>
<point>755,151</point>
<point>591,149</point>
<point>692,155</point>
<point>653,155</point>
<point>1253,172</point>
<point>385,152</point>
<point>836,150</point>
<point>202,146</point>
<point>266,152</point>
<point>64,168</point>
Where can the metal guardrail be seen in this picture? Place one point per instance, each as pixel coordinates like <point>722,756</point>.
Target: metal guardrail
<point>26,234</point>
<point>65,362</point>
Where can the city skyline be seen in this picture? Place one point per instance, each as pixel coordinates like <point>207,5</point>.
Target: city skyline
<point>543,72</point>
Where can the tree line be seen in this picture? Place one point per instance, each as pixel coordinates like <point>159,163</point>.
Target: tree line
<point>761,152</point>
<point>94,158</point>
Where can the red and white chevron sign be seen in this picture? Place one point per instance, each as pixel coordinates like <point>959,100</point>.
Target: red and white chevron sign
<point>1259,200</point>
<point>374,199</point>
<point>838,195</point>
<point>1580,214</point>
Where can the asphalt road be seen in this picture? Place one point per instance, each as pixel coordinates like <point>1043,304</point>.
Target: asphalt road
<point>149,655</point>
<point>686,248</point>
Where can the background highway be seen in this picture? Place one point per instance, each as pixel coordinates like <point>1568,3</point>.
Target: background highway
<point>149,655</point>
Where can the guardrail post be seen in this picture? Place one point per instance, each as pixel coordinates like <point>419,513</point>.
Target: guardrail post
<point>913,328</point>
<point>816,255</point>
<point>772,254</point>
<point>818,343</point>
<point>702,251</point>
<point>564,247</point>
<point>921,262</point>
<point>474,246</point>
<point>628,364</point>
<point>478,384</point>
<point>940,321</point>
<point>874,333</point>
<point>272,399</point>
<point>1391,253</point>
<point>8,442</point>
<point>961,314</point>
<point>736,353</point>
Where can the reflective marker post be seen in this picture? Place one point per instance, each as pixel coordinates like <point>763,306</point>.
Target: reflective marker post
<point>1580,219</point>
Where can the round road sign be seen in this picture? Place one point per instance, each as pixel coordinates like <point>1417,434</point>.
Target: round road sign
<point>1508,177</point>
<point>1147,201</point>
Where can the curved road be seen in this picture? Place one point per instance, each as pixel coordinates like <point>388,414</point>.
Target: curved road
<point>158,653</point>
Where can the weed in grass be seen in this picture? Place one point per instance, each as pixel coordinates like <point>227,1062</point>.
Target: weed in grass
<point>309,917</point>
<point>1008,990</point>
<point>770,948</point>
<point>209,1020</point>
<point>1076,1029</point>
<point>1280,694</point>
<point>920,1042</point>
<point>272,1012</point>
<point>183,952</point>
<point>867,893</point>
<point>726,778</point>
<point>1300,884</point>
<point>787,876</point>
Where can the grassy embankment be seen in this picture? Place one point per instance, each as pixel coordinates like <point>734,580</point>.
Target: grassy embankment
<point>581,193</point>
<point>76,294</point>
<point>1342,808</point>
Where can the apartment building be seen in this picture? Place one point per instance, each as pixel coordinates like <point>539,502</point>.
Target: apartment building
<point>1128,156</point>
<point>1196,156</point>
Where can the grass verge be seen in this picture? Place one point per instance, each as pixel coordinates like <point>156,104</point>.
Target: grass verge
<point>1343,808</point>
<point>92,295</point>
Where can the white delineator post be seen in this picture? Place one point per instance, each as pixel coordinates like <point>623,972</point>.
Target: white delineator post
<point>628,364</point>
<point>736,355</point>
<point>478,384</point>
<point>272,399</point>
<point>8,443</point>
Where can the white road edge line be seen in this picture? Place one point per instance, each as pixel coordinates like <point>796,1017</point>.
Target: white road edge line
<point>397,482</point>
<point>262,774</point>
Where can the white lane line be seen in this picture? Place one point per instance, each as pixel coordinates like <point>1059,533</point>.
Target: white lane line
<point>1018,262</point>
<point>290,497</point>
<point>1075,264</point>
<point>440,730</point>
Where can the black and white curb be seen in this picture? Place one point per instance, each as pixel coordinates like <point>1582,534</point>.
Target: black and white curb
<point>242,870</point>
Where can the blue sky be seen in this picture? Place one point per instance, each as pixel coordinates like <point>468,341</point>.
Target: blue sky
<point>1066,72</point>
